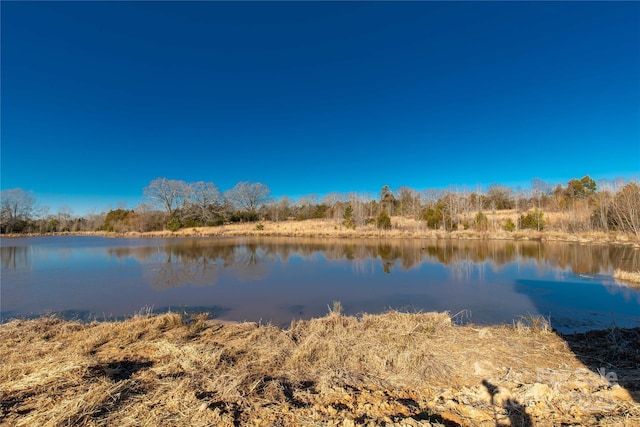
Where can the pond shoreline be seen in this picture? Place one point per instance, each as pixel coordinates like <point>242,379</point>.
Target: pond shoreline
<point>331,228</point>
<point>394,369</point>
<point>293,278</point>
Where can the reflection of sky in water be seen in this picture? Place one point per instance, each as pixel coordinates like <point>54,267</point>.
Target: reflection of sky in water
<point>581,302</point>
<point>280,279</point>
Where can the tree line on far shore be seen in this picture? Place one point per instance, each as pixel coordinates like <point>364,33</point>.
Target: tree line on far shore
<point>582,205</point>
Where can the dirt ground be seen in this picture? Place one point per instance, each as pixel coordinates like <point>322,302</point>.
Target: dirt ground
<point>395,369</point>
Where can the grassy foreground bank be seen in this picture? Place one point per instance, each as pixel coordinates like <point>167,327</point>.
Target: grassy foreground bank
<point>388,369</point>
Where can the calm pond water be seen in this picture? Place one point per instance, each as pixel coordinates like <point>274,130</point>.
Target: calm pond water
<point>279,279</point>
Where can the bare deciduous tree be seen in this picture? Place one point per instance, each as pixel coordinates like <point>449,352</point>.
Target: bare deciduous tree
<point>540,191</point>
<point>337,201</point>
<point>362,207</point>
<point>306,204</point>
<point>169,194</point>
<point>16,208</point>
<point>602,202</point>
<point>281,210</point>
<point>626,209</point>
<point>409,202</point>
<point>430,197</point>
<point>500,197</point>
<point>205,199</point>
<point>248,196</point>
<point>450,209</point>
<point>65,218</point>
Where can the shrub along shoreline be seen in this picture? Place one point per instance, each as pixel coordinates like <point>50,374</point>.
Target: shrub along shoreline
<point>402,228</point>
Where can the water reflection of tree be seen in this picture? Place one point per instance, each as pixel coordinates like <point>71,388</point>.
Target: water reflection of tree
<point>15,257</point>
<point>176,264</point>
<point>249,256</point>
<point>577,258</point>
<point>192,263</point>
<point>178,270</point>
<point>140,253</point>
<point>198,261</point>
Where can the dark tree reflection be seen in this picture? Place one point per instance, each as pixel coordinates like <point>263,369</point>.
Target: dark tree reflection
<point>197,261</point>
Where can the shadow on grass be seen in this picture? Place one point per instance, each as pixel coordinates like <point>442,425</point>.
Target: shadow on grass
<point>607,350</point>
<point>613,354</point>
<point>515,411</point>
<point>119,370</point>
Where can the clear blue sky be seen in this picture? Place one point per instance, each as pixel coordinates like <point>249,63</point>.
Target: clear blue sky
<point>99,98</point>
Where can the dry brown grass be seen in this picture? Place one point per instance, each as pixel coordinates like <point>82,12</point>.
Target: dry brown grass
<point>631,278</point>
<point>402,227</point>
<point>394,368</point>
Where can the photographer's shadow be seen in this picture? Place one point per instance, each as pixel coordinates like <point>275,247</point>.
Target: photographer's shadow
<point>513,410</point>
